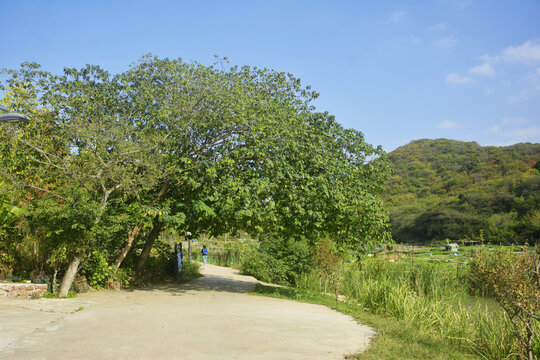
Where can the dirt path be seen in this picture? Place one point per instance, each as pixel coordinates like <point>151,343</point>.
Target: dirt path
<point>209,318</point>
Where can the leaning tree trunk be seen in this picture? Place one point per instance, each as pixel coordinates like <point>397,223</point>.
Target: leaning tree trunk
<point>156,230</point>
<point>132,236</point>
<point>70,276</point>
<point>134,233</point>
<point>53,283</point>
<point>73,267</point>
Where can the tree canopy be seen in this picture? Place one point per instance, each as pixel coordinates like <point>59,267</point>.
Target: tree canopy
<point>211,149</point>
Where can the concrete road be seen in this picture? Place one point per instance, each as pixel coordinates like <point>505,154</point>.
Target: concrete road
<point>212,317</point>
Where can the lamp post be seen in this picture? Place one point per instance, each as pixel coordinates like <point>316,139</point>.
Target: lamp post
<point>11,117</point>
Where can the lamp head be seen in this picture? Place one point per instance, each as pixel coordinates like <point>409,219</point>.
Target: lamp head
<point>13,118</point>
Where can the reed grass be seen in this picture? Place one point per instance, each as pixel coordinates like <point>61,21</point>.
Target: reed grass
<point>433,297</point>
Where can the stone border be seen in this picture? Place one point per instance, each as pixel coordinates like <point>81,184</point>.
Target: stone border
<point>22,289</point>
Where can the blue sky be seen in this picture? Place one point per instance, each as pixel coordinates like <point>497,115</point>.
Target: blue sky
<point>395,70</point>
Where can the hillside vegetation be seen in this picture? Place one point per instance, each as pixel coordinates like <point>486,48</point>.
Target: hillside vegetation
<point>447,189</point>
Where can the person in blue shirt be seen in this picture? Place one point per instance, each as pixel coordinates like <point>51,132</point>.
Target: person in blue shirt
<point>204,253</point>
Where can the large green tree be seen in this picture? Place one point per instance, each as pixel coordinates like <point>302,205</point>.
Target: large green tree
<point>201,148</point>
<point>246,151</point>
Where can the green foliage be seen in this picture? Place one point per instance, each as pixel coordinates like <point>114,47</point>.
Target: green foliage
<point>279,261</point>
<point>98,270</point>
<point>190,271</point>
<point>205,149</point>
<point>160,265</point>
<point>50,295</point>
<point>232,252</point>
<point>7,262</point>
<point>8,213</point>
<point>328,266</point>
<point>451,189</point>
<point>514,280</point>
<point>265,267</point>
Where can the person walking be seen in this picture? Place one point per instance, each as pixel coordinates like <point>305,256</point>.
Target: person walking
<point>204,253</point>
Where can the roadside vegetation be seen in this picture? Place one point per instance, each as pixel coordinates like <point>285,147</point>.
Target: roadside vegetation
<point>395,339</point>
<point>447,304</point>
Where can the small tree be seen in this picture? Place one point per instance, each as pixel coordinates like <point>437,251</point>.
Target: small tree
<point>514,280</point>
<point>328,266</point>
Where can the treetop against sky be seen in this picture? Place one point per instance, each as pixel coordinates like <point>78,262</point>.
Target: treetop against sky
<point>397,70</point>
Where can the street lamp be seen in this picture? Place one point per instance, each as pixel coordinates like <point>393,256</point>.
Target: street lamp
<point>11,117</point>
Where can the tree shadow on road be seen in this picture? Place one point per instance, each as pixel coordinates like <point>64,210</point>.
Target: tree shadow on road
<point>207,283</point>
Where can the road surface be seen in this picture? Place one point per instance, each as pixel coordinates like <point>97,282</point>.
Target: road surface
<point>212,318</point>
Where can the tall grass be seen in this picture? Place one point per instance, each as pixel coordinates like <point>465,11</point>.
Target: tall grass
<point>232,253</point>
<point>433,297</point>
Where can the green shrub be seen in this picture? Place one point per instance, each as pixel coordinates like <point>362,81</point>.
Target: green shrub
<point>49,295</point>
<point>265,267</point>
<point>514,280</point>
<point>279,261</point>
<point>161,264</point>
<point>98,270</point>
<point>191,271</point>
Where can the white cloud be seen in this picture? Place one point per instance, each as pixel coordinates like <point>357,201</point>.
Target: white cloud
<point>454,78</point>
<point>538,71</point>
<point>397,16</point>
<point>447,124</point>
<point>531,133</point>
<point>511,131</point>
<point>484,70</point>
<point>527,53</point>
<point>446,42</point>
<point>437,27</point>
<point>489,91</point>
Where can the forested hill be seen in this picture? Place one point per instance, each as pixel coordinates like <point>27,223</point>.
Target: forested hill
<point>447,189</point>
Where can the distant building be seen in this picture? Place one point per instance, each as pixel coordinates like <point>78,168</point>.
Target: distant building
<point>451,247</point>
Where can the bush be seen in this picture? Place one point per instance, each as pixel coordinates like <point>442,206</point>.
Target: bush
<point>265,267</point>
<point>514,280</point>
<point>191,271</point>
<point>328,266</point>
<point>279,261</point>
<point>98,270</point>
